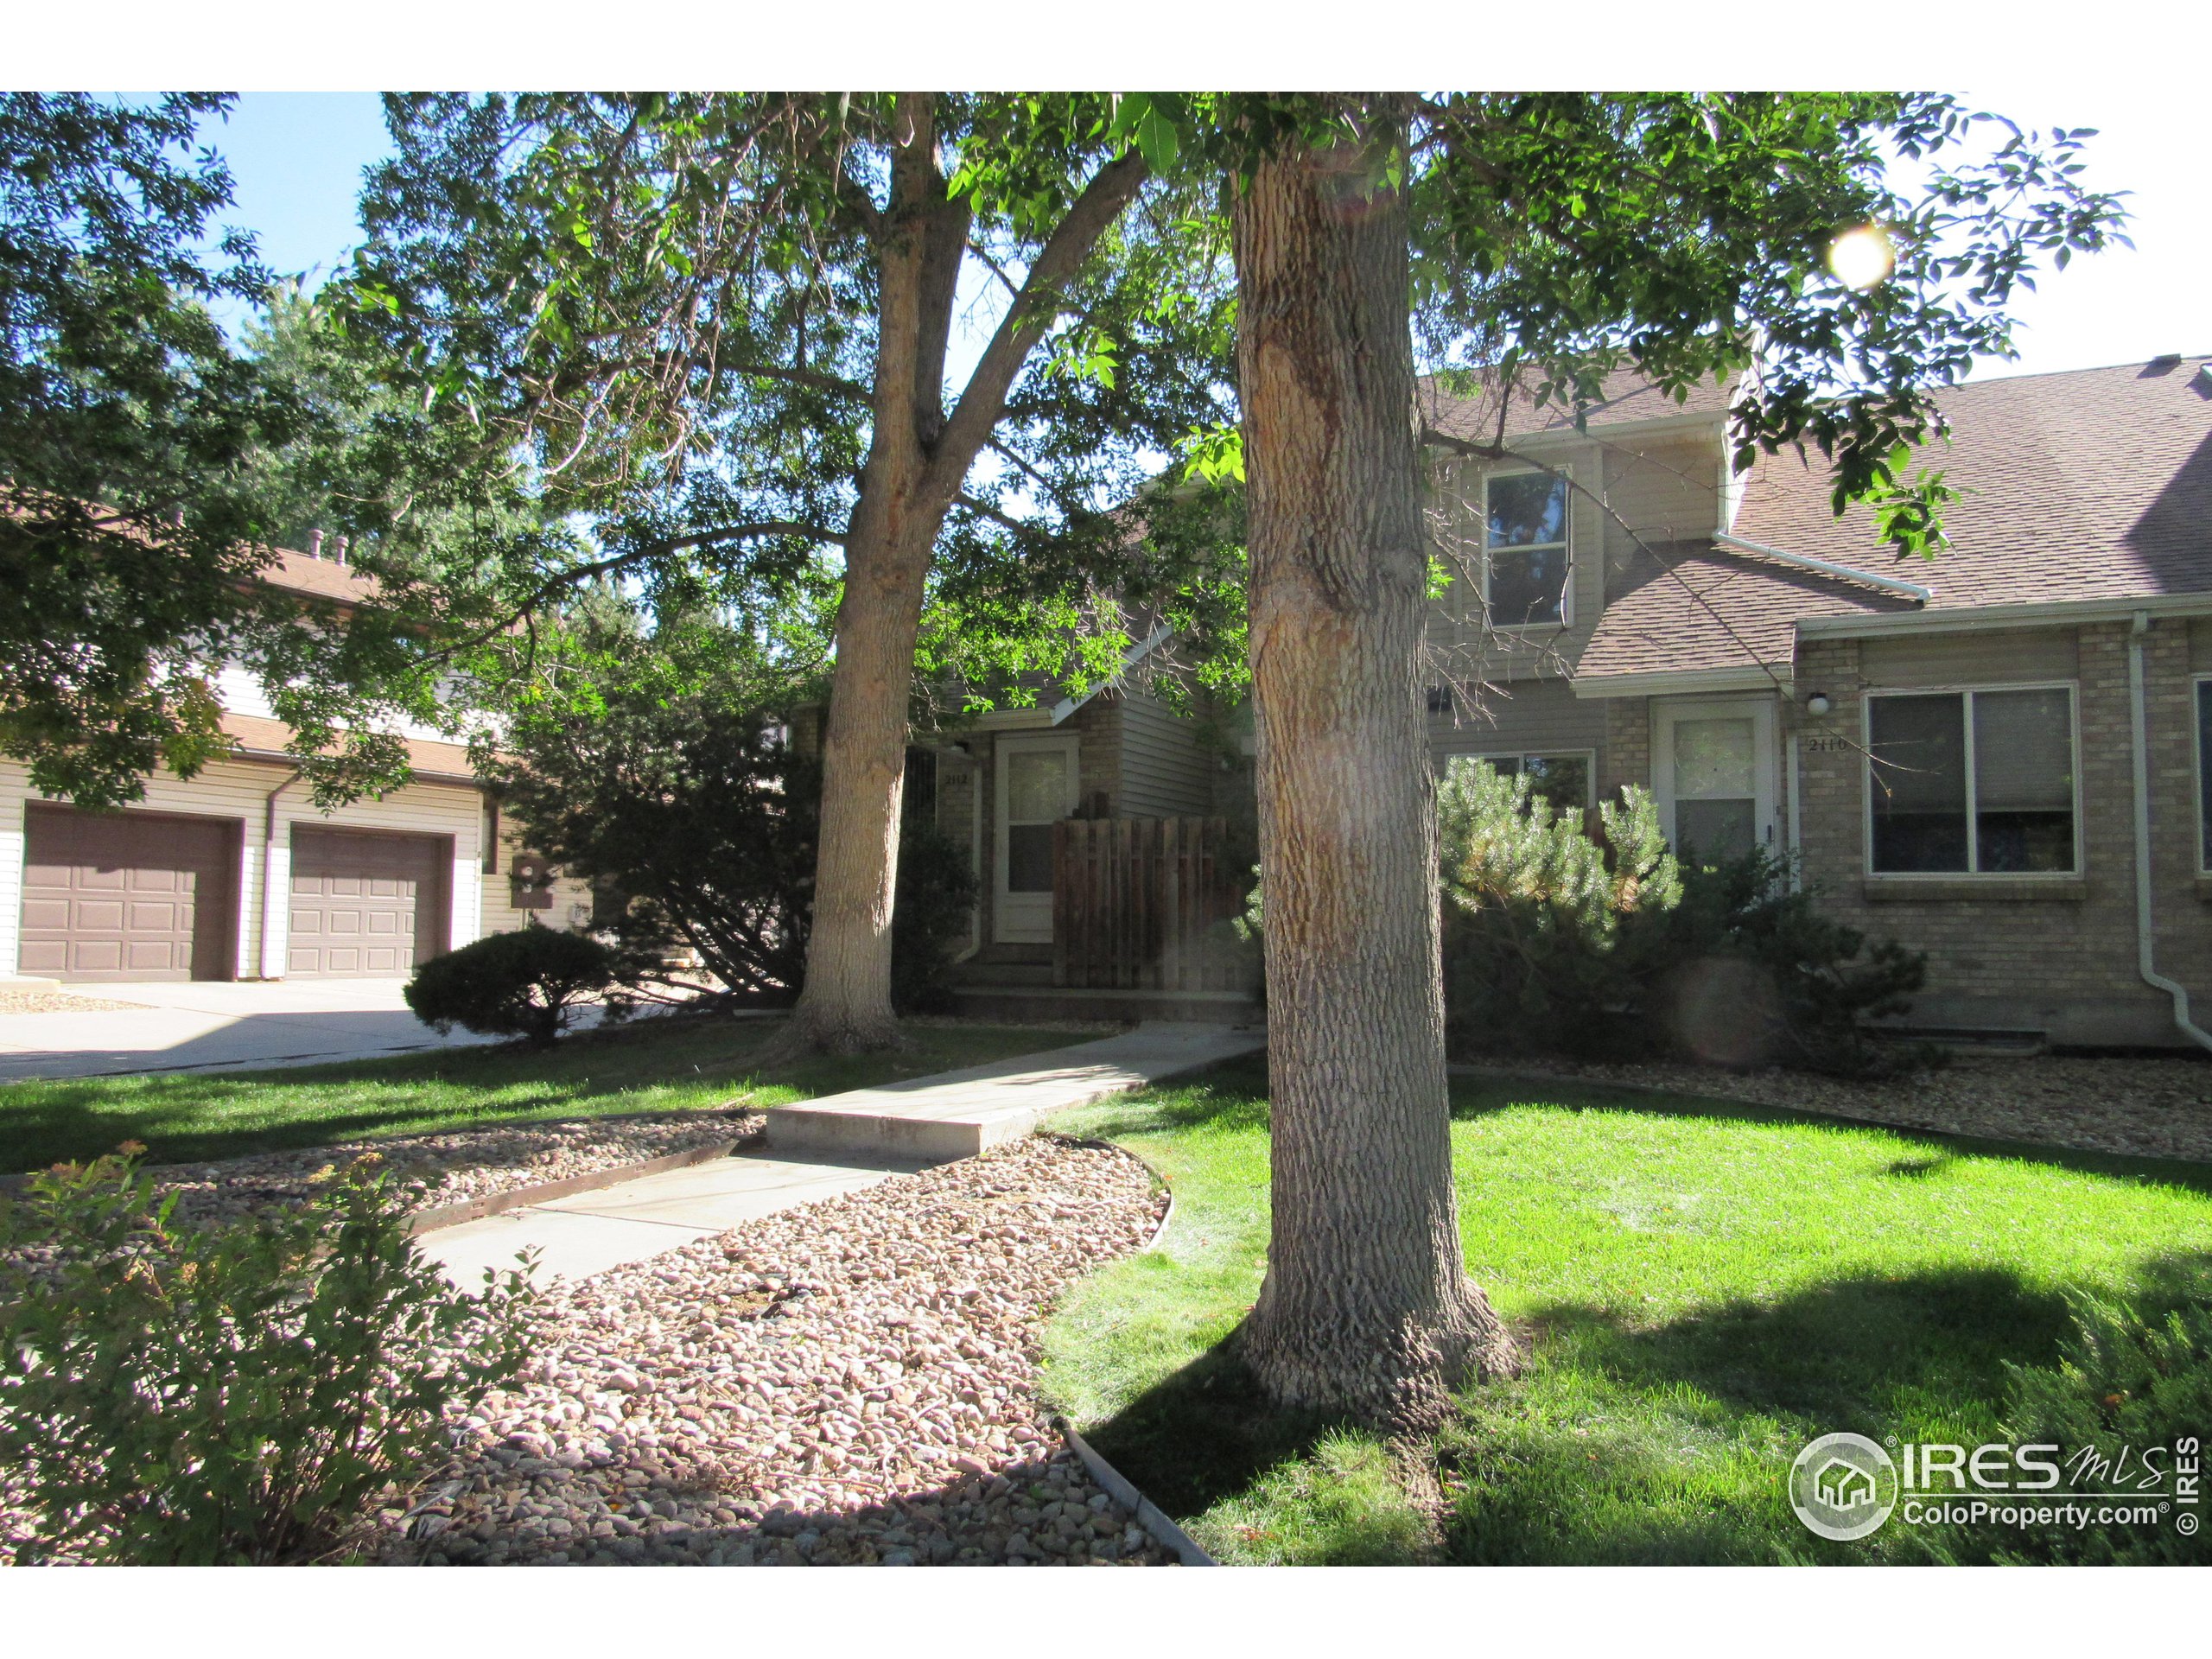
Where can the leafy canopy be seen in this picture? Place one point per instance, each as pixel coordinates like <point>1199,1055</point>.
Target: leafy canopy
<point>665,317</point>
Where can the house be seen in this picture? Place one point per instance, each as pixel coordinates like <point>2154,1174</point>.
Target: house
<point>234,873</point>
<point>1998,757</point>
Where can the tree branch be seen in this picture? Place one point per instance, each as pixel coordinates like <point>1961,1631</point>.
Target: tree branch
<point>1111,188</point>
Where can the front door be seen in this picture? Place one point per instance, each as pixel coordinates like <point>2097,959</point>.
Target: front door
<point>1037,785</point>
<point>1713,775</point>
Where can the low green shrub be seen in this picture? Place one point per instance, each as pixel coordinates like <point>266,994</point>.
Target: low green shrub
<point>1539,952</point>
<point>2125,1379</point>
<point>234,1394</point>
<point>1611,948</point>
<point>518,985</point>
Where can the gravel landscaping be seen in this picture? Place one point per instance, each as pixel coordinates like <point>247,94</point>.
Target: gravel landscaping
<point>458,1165</point>
<point>22,1001</point>
<point>853,1382</point>
<point>2142,1108</point>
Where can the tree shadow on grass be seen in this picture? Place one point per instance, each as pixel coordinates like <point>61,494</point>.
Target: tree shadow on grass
<point>1671,1443</point>
<point>1473,1099</point>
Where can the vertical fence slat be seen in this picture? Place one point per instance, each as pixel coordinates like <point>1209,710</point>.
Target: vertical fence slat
<point>1139,904</point>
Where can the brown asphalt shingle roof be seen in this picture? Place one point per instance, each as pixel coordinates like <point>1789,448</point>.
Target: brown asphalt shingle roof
<point>1627,397</point>
<point>2094,484</point>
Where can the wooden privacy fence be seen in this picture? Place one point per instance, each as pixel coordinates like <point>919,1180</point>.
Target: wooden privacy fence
<point>1146,903</point>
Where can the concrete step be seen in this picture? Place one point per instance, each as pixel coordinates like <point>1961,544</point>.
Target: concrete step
<point>958,1114</point>
<point>1023,976</point>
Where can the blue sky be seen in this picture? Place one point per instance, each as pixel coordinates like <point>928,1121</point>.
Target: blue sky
<point>297,160</point>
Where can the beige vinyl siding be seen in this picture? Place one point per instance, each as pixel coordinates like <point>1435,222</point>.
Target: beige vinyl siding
<point>239,790</point>
<point>1522,717</point>
<point>1971,658</point>
<point>499,914</point>
<point>1165,773</point>
<point>1456,635</point>
<point>1662,490</point>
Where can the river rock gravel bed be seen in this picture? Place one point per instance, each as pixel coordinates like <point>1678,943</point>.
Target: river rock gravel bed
<point>848,1382</point>
<point>460,1165</point>
<point>15,1001</point>
<point>2141,1108</point>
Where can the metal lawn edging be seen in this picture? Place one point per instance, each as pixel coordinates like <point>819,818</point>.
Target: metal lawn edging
<point>1117,1486</point>
<point>521,1198</point>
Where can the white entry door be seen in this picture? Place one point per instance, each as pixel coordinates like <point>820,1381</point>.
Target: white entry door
<point>1037,787</point>
<point>1712,769</point>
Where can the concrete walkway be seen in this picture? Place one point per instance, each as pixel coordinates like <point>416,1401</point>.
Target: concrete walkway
<point>838,1144</point>
<point>210,1025</point>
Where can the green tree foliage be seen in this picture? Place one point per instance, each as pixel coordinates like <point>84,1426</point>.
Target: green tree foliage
<point>125,535</point>
<point>1605,947</point>
<point>666,311</point>
<point>148,469</point>
<point>186,1395</point>
<point>652,756</point>
<point>1559,236</point>
<point>524,983</point>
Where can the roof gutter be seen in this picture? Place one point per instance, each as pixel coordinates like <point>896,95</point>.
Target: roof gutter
<point>1911,590</point>
<point>2145,928</point>
<point>1977,619</point>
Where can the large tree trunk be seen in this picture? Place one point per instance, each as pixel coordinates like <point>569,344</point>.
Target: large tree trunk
<point>1366,1303</point>
<point>845,1004</point>
<point>919,461</point>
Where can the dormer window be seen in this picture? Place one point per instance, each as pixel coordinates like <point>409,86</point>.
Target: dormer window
<point>1525,551</point>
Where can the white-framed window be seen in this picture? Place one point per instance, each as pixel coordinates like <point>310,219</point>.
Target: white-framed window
<point>2203,777</point>
<point>1526,554</point>
<point>1566,777</point>
<point>1973,780</point>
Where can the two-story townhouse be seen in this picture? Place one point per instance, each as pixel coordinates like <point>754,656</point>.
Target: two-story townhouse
<point>234,873</point>
<point>2000,757</point>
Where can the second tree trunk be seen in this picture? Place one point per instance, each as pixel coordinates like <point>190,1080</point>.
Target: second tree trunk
<point>1366,1304</point>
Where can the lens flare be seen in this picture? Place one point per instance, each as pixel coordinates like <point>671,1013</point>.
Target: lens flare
<point>1862,257</point>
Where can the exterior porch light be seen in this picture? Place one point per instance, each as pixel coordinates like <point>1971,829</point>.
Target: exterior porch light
<point>1818,704</point>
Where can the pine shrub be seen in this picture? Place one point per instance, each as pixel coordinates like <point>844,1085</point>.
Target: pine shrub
<point>1611,948</point>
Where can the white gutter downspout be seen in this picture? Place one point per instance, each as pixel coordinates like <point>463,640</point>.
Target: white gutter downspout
<point>269,875</point>
<point>1911,590</point>
<point>2141,758</point>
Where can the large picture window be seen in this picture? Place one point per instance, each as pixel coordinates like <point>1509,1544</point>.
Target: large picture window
<point>1972,783</point>
<point>1525,549</point>
<point>1562,779</point>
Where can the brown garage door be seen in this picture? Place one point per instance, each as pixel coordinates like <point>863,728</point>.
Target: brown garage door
<point>127,895</point>
<point>364,906</point>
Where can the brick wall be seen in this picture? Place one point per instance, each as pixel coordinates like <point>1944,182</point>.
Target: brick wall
<point>1626,756</point>
<point>2055,955</point>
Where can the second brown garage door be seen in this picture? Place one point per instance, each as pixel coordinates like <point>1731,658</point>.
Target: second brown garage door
<point>364,906</point>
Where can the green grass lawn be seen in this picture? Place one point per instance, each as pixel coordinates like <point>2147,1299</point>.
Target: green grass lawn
<point>1706,1287</point>
<point>656,1065</point>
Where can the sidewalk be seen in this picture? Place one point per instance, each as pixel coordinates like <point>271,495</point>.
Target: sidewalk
<point>826,1147</point>
<point>216,1025</point>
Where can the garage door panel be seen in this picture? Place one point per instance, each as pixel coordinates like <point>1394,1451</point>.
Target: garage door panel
<point>365,905</point>
<point>127,895</point>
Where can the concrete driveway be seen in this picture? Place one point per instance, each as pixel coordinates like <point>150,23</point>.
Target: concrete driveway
<point>223,1027</point>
